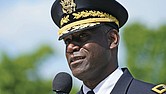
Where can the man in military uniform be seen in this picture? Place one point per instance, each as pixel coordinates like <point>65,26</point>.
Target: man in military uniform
<point>90,30</point>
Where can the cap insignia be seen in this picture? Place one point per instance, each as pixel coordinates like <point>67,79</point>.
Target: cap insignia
<point>91,13</point>
<point>65,20</point>
<point>68,6</point>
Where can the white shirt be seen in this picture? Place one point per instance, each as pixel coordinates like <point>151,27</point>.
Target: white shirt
<point>106,86</point>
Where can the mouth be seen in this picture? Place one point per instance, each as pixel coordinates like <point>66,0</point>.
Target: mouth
<point>77,58</point>
<point>76,62</point>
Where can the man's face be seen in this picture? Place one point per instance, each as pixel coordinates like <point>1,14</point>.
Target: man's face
<point>88,53</point>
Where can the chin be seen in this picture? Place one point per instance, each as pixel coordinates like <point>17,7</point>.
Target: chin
<point>78,74</point>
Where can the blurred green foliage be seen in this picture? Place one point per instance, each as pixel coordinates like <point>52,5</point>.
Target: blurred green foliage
<point>146,52</point>
<point>19,75</point>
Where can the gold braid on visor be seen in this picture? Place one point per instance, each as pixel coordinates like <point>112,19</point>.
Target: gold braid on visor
<point>101,17</point>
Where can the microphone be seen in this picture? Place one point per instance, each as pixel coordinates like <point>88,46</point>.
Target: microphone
<point>62,83</point>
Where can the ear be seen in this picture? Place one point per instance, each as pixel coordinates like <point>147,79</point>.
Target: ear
<point>113,38</point>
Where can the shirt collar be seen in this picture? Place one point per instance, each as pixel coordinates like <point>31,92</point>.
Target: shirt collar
<point>106,86</point>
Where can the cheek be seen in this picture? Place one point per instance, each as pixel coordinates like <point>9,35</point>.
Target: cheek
<point>94,51</point>
<point>98,52</point>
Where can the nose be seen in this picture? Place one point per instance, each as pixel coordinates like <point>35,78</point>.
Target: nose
<point>72,47</point>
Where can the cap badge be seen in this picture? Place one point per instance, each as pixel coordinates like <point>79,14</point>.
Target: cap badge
<point>68,6</point>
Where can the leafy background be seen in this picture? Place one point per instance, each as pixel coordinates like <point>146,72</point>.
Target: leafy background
<point>146,52</point>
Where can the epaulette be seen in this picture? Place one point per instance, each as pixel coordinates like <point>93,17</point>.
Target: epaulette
<point>160,89</point>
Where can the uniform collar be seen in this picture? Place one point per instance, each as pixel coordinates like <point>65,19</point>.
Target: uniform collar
<point>106,86</point>
<point>123,83</point>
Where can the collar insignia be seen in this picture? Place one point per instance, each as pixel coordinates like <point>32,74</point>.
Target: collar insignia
<point>160,89</point>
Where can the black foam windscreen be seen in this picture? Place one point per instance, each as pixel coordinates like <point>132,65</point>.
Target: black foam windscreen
<point>62,83</point>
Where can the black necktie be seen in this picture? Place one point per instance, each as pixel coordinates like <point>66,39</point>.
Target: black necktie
<point>90,92</point>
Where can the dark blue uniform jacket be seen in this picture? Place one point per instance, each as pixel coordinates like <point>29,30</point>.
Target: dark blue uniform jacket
<point>129,85</point>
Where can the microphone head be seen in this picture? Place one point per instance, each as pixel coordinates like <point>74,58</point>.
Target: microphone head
<point>62,83</point>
